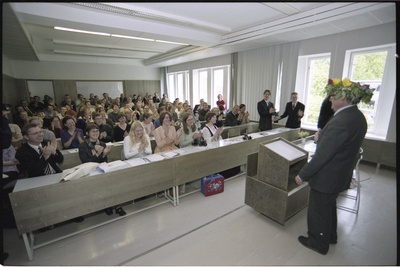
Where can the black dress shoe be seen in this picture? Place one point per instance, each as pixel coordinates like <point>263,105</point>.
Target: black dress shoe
<point>109,211</point>
<point>333,242</point>
<point>120,211</point>
<point>306,242</point>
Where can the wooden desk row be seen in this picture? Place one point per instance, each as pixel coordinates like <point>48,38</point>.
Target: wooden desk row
<point>71,156</point>
<point>36,206</point>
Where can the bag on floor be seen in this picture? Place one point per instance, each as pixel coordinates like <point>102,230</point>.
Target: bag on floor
<point>212,184</point>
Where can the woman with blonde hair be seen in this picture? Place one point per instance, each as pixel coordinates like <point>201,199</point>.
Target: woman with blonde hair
<point>137,142</point>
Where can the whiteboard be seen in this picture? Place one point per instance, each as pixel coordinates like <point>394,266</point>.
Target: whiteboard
<point>41,88</point>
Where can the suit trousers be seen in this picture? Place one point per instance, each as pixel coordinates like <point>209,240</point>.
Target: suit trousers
<point>322,219</point>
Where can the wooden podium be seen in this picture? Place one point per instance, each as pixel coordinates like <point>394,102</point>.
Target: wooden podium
<point>270,186</point>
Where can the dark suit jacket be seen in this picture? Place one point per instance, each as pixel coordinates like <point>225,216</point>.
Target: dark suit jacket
<point>293,120</point>
<point>265,122</point>
<point>35,165</point>
<point>86,155</point>
<point>331,168</point>
<point>325,113</point>
<point>231,119</point>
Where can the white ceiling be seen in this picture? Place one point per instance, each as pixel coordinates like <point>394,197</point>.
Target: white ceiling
<point>208,29</point>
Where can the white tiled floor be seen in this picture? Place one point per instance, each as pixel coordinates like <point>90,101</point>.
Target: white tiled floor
<point>222,230</point>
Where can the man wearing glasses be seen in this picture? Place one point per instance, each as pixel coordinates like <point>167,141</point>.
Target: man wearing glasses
<point>38,158</point>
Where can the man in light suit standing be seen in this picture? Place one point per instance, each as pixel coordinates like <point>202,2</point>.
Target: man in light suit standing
<point>330,170</point>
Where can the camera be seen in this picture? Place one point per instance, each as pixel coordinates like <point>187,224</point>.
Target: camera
<point>202,142</point>
<point>199,142</point>
<point>195,142</point>
<point>246,137</point>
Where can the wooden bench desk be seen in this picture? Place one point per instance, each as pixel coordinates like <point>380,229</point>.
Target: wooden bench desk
<point>43,201</point>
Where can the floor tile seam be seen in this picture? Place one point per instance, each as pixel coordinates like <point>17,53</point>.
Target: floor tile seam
<point>179,237</point>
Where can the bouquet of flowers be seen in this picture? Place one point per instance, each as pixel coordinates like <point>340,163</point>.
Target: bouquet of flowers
<point>355,92</point>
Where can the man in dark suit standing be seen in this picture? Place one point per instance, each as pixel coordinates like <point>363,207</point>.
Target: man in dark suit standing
<point>36,157</point>
<point>325,113</point>
<point>330,170</point>
<point>266,110</point>
<point>294,110</point>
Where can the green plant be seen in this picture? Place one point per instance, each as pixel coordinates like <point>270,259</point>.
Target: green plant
<point>304,134</point>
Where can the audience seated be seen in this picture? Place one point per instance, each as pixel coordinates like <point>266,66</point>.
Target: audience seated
<point>165,135</point>
<point>211,132</point>
<point>113,114</point>
<point>56,126</point>
<point>106,131</point>
<point>245,114</point>
<point>233,117</point>
<point>94,150</point>
<point>121,129</point>
<point>189,132</point>
<point>148,123</point>
<point>220,117</point>
<point>71,136</point>
<point>137,142</point>
<point>203,111</point>
<point>38,157</point>
<point>48,136</point>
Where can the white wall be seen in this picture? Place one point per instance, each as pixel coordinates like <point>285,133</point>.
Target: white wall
<point>81,71</point>
<point>204,63</point>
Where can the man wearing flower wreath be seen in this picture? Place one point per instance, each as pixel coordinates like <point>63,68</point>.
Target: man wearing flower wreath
<point>330,170</point>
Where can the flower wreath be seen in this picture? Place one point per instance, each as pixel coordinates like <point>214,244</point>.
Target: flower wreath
<point>355,92</point>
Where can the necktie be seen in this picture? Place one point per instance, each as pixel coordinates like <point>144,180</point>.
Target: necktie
<point>293,106</point>
<point>48,169</point>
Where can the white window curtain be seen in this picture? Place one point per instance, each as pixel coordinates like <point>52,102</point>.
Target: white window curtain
<point>258,69</point>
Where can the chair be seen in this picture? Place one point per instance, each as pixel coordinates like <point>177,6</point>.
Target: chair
<point>351,195</point>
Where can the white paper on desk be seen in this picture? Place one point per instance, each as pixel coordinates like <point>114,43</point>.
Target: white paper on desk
<point>135,162</point>
<point>154,157</point>
<point>79,171</point>
<point>73,150</point>
<point>112,166</point>
<point>174,153</point>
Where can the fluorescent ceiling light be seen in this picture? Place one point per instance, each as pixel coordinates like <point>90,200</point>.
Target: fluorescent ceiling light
<point>116,35</point>
<point>81,31</point>
<point>131,37</point>
<point>168,42</point>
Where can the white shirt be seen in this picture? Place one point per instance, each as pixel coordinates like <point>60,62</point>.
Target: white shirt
<point>133,151</point>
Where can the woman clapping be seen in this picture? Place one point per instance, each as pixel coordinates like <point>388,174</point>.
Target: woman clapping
<point>137,143</point>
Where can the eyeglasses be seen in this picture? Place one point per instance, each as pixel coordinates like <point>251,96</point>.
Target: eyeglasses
<point>94,131</point>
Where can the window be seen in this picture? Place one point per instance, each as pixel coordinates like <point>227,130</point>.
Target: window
<point>178,86</point>
<point>316,77</point>
<point>209,83</point>
<point>367,66</point>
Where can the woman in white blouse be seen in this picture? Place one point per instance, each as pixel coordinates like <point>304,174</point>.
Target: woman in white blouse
<point>137,143</point>
<point>210,131</point>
